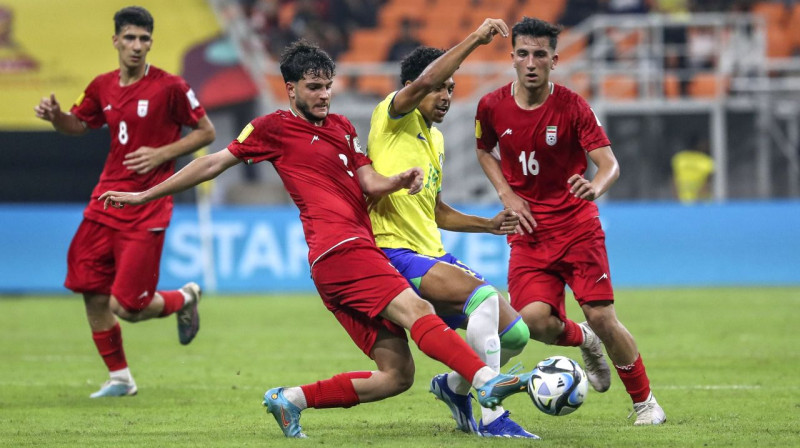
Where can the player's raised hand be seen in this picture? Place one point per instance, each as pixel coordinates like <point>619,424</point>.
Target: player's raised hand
<point>523,211</point>
<point>118,199</point>
<point>505,223</point>
<point>412,179</point>
<point>48,108</point>
<point>581,188</point>
<point>489,28</point>
<point>143,160</point>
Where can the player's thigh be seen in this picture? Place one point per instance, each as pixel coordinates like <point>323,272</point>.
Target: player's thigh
<point>448,286</point>
<point>90,259</point>
<point>586,265</point>
<point>364,330</point>
<point>532,280</point>
<point>138,255</point>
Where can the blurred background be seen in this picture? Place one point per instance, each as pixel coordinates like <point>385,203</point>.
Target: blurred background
<point>701,101</point>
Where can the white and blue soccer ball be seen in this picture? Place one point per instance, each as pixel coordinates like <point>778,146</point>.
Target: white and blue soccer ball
<point>558,386</point>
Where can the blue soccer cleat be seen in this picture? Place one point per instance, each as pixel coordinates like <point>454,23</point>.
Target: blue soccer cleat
<point>497,389</point>
<point>116,388</point>
<point>188,317</point>
<point>286,414</point>
<point>503,426</point>
<point>460,405</point>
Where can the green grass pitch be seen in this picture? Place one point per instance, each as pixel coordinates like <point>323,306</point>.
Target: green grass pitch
<point>724,364</point>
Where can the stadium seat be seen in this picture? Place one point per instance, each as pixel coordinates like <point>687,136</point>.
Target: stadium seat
<point>672,87</point>
<point>377,85</point>
<point>779,41</point>
<point>619,87</point>
<point>392,13</point>
<point>368,45</point>
<point>277,86</point>
<point>794,24</point>
<point>707,85</point>
<point>568,49</point>
<point>774,13</point>
<point>549,11</point>
<point>466,85</point>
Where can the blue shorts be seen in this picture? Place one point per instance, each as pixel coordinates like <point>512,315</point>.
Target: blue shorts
<point>413,266</point>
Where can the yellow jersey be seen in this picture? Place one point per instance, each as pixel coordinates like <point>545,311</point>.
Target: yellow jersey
<point>395,144</point>
<point>691,170</point>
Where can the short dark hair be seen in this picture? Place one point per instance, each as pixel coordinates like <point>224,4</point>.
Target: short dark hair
<point>414,64</point>
<point>535,28</point>
<point>303,57</point>
<point>133,15</point>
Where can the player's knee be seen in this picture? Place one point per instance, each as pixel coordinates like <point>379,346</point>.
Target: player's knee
<point>515,337</point>
<point>480,295</point>
<point>127,310</point>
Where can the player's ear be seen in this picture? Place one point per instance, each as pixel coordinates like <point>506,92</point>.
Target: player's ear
<point>555,62</point>
<point>290,89</point>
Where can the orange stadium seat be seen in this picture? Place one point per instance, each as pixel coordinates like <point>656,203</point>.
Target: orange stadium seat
<point>794,24</point>
<point>580,83</point>
<point>277,86</point>
<point>377,85</point>
<point>392,13</point>
<point>773,12</point>
<point>576,49</point>
<point>368,45</point>
<point>549,11</point>
<point>465,86</point>
<point>779,41</point>
<point>707,85</point>
<point>286,14</point>
<point>619,87</point>
<point>672,86</point>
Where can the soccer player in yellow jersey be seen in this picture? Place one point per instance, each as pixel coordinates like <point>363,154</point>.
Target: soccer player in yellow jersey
<point>406,227</point>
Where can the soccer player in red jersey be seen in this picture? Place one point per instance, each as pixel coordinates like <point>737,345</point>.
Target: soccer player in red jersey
<point>543,132</point>
<point>114,257</point>
<point>320,161</point>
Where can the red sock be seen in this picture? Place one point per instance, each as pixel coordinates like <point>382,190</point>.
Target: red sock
<point>634,377</point>
<point>438,341</point>
<point>336,392</point>
<point>173,301</point>
<point>572,335</point>
<point>109,345</point>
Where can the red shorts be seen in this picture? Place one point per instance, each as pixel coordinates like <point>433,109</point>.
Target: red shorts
<point>538,271</point>
<point>356,282</point>
<point>99,253</point>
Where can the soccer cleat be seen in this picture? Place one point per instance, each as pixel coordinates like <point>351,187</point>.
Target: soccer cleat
<point>597,371</point>
<point>188,317</point>
<point>286,414</point>
<point>503,426</point>
<point>649,412</point>
<point>116,388</point>
<point>460,405</point>
<point>497,389</point>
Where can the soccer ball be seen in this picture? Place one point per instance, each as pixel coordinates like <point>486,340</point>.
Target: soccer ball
<point>558,386</point>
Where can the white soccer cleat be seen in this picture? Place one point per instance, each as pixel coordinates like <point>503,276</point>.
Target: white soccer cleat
<point>597,370</point>
<point>649,412</point>
<point>116,388</point>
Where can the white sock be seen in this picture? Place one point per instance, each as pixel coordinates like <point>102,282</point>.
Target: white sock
<point>123,375</point>
<point>482,332</point>
<point>296,396</point>
<point>482,376</point>
<point>186,296</point>
<point>488,415</point>
<point>457,383</point>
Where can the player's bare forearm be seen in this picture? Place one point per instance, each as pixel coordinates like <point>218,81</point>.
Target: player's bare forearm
<point>202,135</point>
<point>448,218</point>
<point>375,185</point>
<point>607,174</point>
<point>196,172</point>
<point>408,98</point>
<point>49,109</point>
<point>510,200</point>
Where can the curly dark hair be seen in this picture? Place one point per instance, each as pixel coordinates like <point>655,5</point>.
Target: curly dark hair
<point>535,28</point>
<point>303,57</point>
<point>133,15</point>
<point>414,64</point>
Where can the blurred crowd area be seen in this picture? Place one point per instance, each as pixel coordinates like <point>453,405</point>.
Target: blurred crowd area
<point>386,30</point>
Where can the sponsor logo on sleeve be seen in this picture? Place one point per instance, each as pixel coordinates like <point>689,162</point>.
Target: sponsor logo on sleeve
<point>192,99</point>
<point>245,133</point>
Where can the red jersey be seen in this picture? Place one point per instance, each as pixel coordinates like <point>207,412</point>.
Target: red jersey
<point>539,150</point>
<point>149,112</point>
<point>317,165</point>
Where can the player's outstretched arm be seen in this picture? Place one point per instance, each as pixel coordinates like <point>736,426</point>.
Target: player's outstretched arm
<point>146,158</point>
<point>607,174</point>
<point>510,200</point>
<point>198,171</point>
<point>50,110</point>
<point>374,184</point>
<point>448,218</point>
<point>409,97</point>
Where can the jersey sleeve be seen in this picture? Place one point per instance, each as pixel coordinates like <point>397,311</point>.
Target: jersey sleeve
<point>183,105</point>
<point>590,132</point>
<point>359,156</point>
<point>484,131</point>
<point>88,107</point>
<point>258,141</point>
